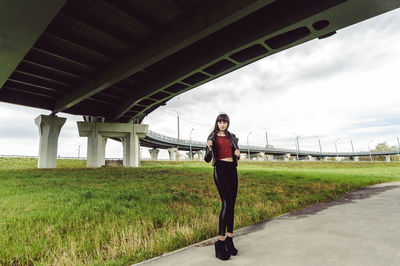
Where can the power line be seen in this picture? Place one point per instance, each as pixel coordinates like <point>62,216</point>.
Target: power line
<point>187,120</point>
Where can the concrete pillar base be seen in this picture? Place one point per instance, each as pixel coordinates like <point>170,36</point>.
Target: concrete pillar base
<point>269,157</point>
<point>387,158</point>
<point>286,157</point>
<point>188,155</point>
<point>172,154</point>
<point>200,155</point>
<point>154,153</point>
<point>49,130</point>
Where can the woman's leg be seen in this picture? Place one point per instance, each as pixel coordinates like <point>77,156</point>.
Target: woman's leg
<point>221,181</point>
<point>232,199</point>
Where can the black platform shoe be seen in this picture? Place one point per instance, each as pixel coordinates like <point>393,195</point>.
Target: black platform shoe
<point>220,250</point>
<point>230,246</point>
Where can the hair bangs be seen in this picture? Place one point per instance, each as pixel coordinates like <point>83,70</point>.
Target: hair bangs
<point>223,117</point>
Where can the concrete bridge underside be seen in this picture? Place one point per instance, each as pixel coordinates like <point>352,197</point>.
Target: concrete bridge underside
<point>120,60</point>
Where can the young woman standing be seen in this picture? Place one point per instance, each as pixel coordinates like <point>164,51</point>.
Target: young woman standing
<point>223,149</point>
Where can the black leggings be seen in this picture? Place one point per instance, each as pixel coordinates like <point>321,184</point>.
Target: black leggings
<point>226,180</point>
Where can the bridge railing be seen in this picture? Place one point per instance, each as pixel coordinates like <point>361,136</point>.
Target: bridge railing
<point>254,148</point>
<point>175,140</point>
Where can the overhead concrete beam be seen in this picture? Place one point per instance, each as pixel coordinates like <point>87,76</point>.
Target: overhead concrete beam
<point>218,15</point>
<point>340,13</point>
<point>21,24</point>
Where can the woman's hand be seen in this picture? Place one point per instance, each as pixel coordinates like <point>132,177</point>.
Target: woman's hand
<point>209,144</point>
<point>237,152</point>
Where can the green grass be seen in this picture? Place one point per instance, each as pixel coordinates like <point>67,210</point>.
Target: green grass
<point>119,216</point>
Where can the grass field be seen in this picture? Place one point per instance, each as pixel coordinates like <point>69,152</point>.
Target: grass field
<point>120,216</point>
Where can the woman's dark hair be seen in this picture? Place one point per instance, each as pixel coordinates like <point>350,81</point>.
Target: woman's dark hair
<point>221,117</point>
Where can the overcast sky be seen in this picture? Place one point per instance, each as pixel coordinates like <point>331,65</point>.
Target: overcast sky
<point>345,86</point>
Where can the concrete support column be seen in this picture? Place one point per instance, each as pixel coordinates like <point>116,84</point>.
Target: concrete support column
<point>49,130</point>
<point>269,157</point>
<point>98,132</point>
<point>131,145</point>
<point>326,158</point>
<point>286,157</point>
<point>310,158</point>
<point>200,154</point>
<point>188,154</point>
<point>103,151</point>
<point>387,158</point>
<point>154,153</point>
<point>96,149</point>
<point>260,156</point>
<point>172,153</point>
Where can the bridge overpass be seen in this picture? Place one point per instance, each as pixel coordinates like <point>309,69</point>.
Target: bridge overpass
<point>117,61</point>
<point>158,141</point>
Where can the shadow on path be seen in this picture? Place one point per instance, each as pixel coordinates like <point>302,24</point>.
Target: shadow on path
<point>349,197</point>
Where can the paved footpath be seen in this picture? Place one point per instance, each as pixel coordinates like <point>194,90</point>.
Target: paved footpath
<point>362,229</point>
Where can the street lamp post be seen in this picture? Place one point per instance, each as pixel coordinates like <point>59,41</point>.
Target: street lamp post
<point>177,115</point>
<point>352,148</point>
<point>320,148</point>
<point>297,145</point>
<point>190,145</point>
<point>266,136</point>
<point>398,145</point>
<point>370,157</point>
<point>248,148</point>
<point>337,154</point>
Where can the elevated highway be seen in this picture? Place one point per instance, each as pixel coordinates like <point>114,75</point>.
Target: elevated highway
<point>118,60</point>
<point>159,141</point>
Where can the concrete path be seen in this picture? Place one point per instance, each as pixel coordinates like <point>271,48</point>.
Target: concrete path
<point>362,229</point>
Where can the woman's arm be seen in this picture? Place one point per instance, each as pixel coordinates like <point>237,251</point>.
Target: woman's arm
<point>237,153</point>
<point>208,155</point>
